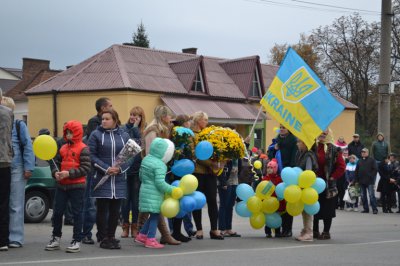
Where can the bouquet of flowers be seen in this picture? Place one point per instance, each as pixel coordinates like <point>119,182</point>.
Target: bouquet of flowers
<point>182,137</point>
<point>130,149</point>
<point>227,143</point>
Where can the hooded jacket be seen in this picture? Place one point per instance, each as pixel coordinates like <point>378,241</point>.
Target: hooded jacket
<point>73,157</point>
<point>152,174</point>
<point>105,145</point>
<point>380,149</point>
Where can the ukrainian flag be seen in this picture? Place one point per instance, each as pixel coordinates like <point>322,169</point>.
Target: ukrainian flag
<point>299,100</point>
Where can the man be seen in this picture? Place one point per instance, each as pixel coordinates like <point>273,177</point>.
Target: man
<point>366,171</point>
<point>355,146</point>
<point>89,209</point>
<point>380,148</point>
<point>394,168</point>
<point>6,156</point>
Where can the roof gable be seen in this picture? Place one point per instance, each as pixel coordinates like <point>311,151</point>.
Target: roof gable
<point>186,70</point>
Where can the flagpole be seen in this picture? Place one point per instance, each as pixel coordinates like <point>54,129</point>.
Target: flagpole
<point>255,121</point>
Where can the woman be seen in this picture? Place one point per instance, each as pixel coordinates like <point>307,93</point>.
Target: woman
<point>105,143</point>
<point>306,160</point>
<point>207,184</point>
<point>331,167</point>
<point>160,127</point>
<point>134,127</point>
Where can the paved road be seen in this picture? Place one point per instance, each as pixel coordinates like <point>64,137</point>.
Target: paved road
<point>358,239</point>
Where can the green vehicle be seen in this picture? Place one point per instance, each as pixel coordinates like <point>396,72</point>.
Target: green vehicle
<point>39,194</point>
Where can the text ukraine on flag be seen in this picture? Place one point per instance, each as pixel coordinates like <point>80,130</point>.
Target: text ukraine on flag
<point>298,99</point>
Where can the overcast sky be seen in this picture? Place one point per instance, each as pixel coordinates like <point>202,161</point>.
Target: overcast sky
<point>68,32</point>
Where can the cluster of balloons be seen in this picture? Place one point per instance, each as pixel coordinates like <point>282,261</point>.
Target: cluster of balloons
<point>184,198</point>
<point>300,189</point>
<point>44,147</point>
<point>260,205</point>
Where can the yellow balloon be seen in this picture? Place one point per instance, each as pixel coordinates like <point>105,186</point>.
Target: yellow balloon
<point>295,209</point>
<point>265,189</point>
<point>188,184</point>
<point>170,207</point>
<point>257,164</point>
<point>257,220</point>
<point>307,178</point>
<point>177,193</point>
<point>254,204</point>
<point>270,205</point>
<point>44,147</point>
<point>309,196</point>
<point>292,193</point>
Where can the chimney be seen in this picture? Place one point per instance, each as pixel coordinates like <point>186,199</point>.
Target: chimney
<point>31,66</point>
<point>189,50</point>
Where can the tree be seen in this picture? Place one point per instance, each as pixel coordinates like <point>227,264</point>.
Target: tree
<point>140,37</point>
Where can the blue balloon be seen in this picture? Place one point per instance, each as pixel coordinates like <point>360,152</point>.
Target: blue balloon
<point>244,191</point>
<point>182,167</point>
<point>280,189</point>
<point>204,150</point>
<point>181,214</point>
<point>319,185</point>
<point>298,170</point>
<point>273,220</point>
<point>289,176</point>
<point>187,203</point>
<point>241,209</point>
<point>200,199</point>
<point>312,209</point>
<point>175,183</point>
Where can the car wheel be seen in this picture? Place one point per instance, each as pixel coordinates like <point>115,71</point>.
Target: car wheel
<point>36,206</point>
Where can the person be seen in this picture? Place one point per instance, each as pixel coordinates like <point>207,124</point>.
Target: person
<point>70,169</point>
<point>355,146</point>
<point>6,156</point>
<point>134,127</point>
<point>380,148</point>
<point>331,167</point>
<point>286,143</point>
<point>160,127</point>
<point>207,183</point>
<point>306,160</point>
<point>366,171</point>
<point>273,176</point>
<point>89,207</point>
<point>384,184</point>
<point>105,143</point>
<point>394,180</point>
<point>342,182</point>
<point>22,166</point>
<point>152,175</point>
<point>350,178</point>
<point>341,143</point>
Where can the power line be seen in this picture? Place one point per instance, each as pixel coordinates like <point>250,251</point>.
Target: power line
<point>338,7</point>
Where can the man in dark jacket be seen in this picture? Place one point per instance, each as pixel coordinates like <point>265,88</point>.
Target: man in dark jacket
<point>102,104</point>
<point>380,148</point>
<point>355,146</point>
<point>365,175</point>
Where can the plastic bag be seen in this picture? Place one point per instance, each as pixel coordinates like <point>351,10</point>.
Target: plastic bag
<point>347,197</point>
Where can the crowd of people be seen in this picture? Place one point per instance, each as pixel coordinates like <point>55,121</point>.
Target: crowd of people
<point>134,191</point>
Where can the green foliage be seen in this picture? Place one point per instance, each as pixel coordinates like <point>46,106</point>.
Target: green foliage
<point>140,37</point>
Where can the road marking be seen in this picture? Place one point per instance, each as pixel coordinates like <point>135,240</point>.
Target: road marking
<point>311,245</point>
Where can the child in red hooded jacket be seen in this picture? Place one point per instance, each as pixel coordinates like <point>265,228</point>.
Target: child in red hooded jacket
<point>273,176</point>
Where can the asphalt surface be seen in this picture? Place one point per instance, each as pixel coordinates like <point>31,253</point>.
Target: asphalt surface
<point>357,239</point>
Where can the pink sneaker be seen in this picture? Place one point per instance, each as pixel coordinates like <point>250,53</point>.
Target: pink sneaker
<point>141,238</point>
<point>152,243</point>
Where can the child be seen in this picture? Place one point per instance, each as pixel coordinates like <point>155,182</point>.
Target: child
<point>272,175</point>
<point>73,164</point>
<point>152,175</point>
<point>350,176</point>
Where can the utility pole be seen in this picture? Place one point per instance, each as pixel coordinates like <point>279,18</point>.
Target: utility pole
<point>384,69</point>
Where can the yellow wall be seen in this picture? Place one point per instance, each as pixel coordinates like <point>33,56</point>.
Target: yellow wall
<point>81,106</point>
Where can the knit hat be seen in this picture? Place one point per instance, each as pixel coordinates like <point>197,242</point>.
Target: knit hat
<point>274,165</point>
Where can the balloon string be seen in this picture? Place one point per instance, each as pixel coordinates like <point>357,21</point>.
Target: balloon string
<point>255,176</point>
<point>58,170</point>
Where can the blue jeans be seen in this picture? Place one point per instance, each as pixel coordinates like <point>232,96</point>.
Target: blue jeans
<point>150,226</point>
<point>131,203</point>
<point>187,223</point>
<point>88,211</point>
<point>226,202</point>
<point>371,194</point>
<point>17,202</point>
<point>75,196</point>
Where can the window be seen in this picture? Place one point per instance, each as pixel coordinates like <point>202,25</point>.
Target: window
<point>198,84</point>
<point>255,85</point>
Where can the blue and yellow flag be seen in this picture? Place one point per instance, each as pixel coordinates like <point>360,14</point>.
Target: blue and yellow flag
<point>299,100</point>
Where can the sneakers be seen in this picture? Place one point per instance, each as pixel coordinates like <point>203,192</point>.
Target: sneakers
<point>15,244</point>
<point>4,248</point>
<point>87,240</point>
<point>54,243</point>
<point>305,237</point>
<point>375,211</point>
<point>141,238</point>
<point>152,243</point>
<point>74,247</point>
<point>349,209</point>
<point>355,209</point>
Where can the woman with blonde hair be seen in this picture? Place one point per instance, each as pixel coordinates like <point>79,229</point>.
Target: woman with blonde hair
<point>207,183</point>
<point>160,127</point>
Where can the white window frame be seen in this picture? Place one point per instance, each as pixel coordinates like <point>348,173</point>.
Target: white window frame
<point>258,85</point>
<point>200,74</point>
